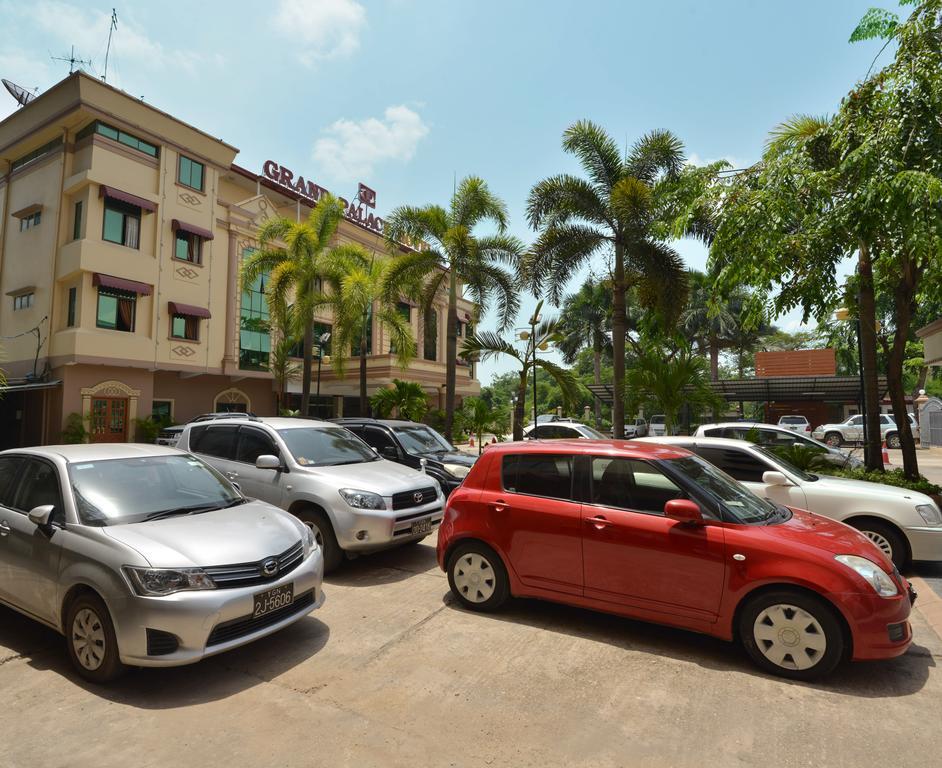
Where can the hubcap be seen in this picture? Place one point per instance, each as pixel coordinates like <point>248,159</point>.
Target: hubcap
<point>474,577</point>
<point>789,637</point>
<point>88,639</point>
<point>833,440</point>
<point>881,541</point>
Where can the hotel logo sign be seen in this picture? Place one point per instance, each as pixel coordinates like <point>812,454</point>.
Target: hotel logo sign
<point>361,210</point>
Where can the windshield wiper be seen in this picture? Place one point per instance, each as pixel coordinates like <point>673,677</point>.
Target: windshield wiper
<point>182,511</point>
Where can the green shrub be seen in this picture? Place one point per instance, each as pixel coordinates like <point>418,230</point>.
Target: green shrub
<point>894,477</point>
<point>146,430</point>
<point>74,430</point>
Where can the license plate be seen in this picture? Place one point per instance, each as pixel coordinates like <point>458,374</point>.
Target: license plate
<point>422,526</point>
<point>272,600</point>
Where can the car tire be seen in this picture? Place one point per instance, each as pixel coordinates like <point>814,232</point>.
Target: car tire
<point>834,439</point>
<point>325,537</point>
<point>887,539</point>
<point>892,440</point>
<point>792,634</point>
<point>477,577</point>
<point>91,641</point>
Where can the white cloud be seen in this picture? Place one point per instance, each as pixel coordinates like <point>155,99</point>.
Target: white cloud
<point>694,159</point>
<point>351,148</point>
<point>321,29</point>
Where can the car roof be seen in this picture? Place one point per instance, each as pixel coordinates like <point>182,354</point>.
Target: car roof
<point>387,422</point>
<point>744,425</point>
<point>97,451</point>
<point>724,442</point>
<point>631,449</point>
<point>275,422</point>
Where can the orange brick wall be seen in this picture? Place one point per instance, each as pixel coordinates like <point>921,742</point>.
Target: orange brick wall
<point>800,362</point>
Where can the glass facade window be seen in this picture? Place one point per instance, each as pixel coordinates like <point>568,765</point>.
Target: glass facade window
<point>77,221</point>
<point>122,224</point>
<point>430,343</point>
<point>116,134</point>
<point>185,327</point>
<point>73,298</point>
<point>116,310</point>
<point>190,173</point>
<point>254,324</point>
<point>189,247</point>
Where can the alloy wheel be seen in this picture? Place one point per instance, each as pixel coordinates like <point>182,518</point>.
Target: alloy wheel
<point>789,637</point>
<point>881,541</point>
<point>474,577</point>
<point>88,639</point>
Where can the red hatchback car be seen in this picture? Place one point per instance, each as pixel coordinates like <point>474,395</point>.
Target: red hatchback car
<point>656,533</point>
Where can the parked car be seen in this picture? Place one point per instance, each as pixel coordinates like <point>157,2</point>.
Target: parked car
<point>562,431</point>
<point>142,555</point>
<point>914,425</point>
<point>353,500</point>
<point>798,424</point>
<point>776,437</point>
<point>851,431</point>
<point>904,524</point>
<point>657,533</point>
<point>410,443</point>
<point>169,435</point>
<point>638,428</point>
<point>657,425</point>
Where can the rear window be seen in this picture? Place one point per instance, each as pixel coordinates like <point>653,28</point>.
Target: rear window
<point>538,474</point>
<point>793,420</point>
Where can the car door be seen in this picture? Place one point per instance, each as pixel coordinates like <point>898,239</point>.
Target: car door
<point>215,444</point>
<point>854,428</point>
<point>265,484</point>
<point>535,519</point>
<point>29,555</point>
<point>634,555</point>
<point>748,468</point>
<point>380,441</point>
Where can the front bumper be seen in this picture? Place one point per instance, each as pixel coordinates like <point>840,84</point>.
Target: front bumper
<point>925,543</point>
<point>372,530</point>
<point>879,626</point>
<point>191,617</point>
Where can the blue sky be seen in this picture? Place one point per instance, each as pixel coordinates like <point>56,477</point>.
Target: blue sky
<point>404,94</point>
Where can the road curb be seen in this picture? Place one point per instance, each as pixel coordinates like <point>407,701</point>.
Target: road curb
<point>929,604</point>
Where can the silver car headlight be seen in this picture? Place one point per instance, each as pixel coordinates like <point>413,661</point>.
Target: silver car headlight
<point>870,572</point>
<point>309,542</point>
<point>930,513</point>
<point>457,470</point>
<point>155,582</point>
<point>362,499</point>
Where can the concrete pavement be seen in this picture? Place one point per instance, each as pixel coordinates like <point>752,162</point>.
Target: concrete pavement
<point>391,672</point>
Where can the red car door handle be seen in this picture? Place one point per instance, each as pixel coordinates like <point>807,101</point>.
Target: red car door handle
<point>499,506</point>
<point>599,522</point>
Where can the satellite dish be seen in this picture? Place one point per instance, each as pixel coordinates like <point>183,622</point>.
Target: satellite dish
<point>18,92</point>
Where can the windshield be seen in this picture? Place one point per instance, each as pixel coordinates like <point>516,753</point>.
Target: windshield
<point>422,439</point>
<point>326,447</point>
<point>120,491</point>
<point>739,502</point>
<point>785,463</point>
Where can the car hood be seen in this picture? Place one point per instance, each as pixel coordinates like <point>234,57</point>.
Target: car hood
<point>242,534</point>
<point>844,485</point>
<point>382,477</point>
<point>450,457</point>
<point>828,536</point>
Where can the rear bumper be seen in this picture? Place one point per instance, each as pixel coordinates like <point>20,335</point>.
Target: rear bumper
<point>879,626</point>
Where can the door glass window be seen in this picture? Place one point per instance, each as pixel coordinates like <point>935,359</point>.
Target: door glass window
<point>737,464</point>
<point>40,486</point>
<point>631,484</point>
<point>9,472</point>
<point>378,439</point>
<point>215,441</point>
<point>252,444</point>
<point>856,421</point>
<point>538,474</point>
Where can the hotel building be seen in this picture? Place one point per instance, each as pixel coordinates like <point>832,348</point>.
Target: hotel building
<point>121,233</point>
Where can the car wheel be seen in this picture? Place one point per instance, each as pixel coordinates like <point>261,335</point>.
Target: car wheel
<point>792,634</point>
<point>834,439</point>
<point>892,440</point>
<point>324,535</point>
<point>93,647</point>
<point>887,539</point>
<point>477,577</point>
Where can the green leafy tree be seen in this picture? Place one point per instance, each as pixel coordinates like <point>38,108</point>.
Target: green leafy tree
<point>618,207</point>
<point>478,418</point>
<point>708,321</point>
<point>406,399</point>
<point>450,252</point>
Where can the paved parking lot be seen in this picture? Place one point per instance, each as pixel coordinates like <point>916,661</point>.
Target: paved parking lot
<point>392,672</point>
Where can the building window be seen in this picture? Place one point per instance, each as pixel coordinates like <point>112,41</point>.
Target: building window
<point>161,411</point>
<point>189,247</point>
<point>23,301</point>
<point>115,134</point>
<point>430,342</point>
<point>191,174</point>
<point>45,149</point>
<point>73,297</point>
<point>185,327</point>
<point>31,221</point>
<point>355,337</point>
<point>254,324</point>
<point>317,330</point>
<point>77,222</point>
<point>116,310</point>
<point>122,224</point>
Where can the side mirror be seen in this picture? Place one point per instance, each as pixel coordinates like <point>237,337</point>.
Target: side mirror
<point>389,452</point>
<point>683,511</point>
<point>41,515</point>
<point>775,478</point>
<point>267,461</point>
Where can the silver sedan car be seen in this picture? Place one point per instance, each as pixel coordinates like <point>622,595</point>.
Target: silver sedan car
<point>143,555</point>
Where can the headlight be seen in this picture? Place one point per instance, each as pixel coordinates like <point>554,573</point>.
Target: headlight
<point>458,470</point>
<point>309,542</point>
<point>362,499</point>
<point>155,582</point>
<point>930,513</point>
<point>871,573</point>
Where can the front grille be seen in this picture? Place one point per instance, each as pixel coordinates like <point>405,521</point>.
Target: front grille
<point>160,643</point>
<point>250,574</point>
<point>169,434</point>
<point>407,499</point>
<point>896,631</point>
<point>236,628</point>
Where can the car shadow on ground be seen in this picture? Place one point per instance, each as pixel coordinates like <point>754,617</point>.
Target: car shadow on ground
<point>902,676</point>
<point>385,567</point>
<point>164,688</point>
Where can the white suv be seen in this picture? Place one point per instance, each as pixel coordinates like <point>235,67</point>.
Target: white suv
<point>353,500</point>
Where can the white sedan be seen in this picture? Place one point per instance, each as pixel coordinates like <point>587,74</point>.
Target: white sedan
<point>906,525</point>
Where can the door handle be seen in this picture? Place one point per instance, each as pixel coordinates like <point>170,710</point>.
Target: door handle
<point>499,506</point>
<point>5,528</point>
<point>599,522</point>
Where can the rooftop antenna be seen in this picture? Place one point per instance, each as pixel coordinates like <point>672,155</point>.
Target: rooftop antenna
<point>111,29</point>
<point>18,92</point>
<point>82,63</point>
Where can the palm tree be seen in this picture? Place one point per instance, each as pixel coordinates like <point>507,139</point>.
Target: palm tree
<point>451,252</point>
<point>618,207</point>
<point>486,345</point>
<point>479,418</point>
<point>291,254</point>
<point>585,321</point>
<point>406,399</point>
<point>708,321</point>
<point>363,286</point>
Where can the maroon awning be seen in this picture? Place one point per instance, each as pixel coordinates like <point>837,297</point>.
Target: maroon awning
<point>176,308</point>
<point>126,197</point>
<point>182,226</point>
<point>120,284</point>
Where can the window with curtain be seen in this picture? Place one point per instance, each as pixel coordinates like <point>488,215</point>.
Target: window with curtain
<point>122,224</point>
<point>430,345</point>
<point>189,247</point>
<point>116,310</point>
<point>185,327</point>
